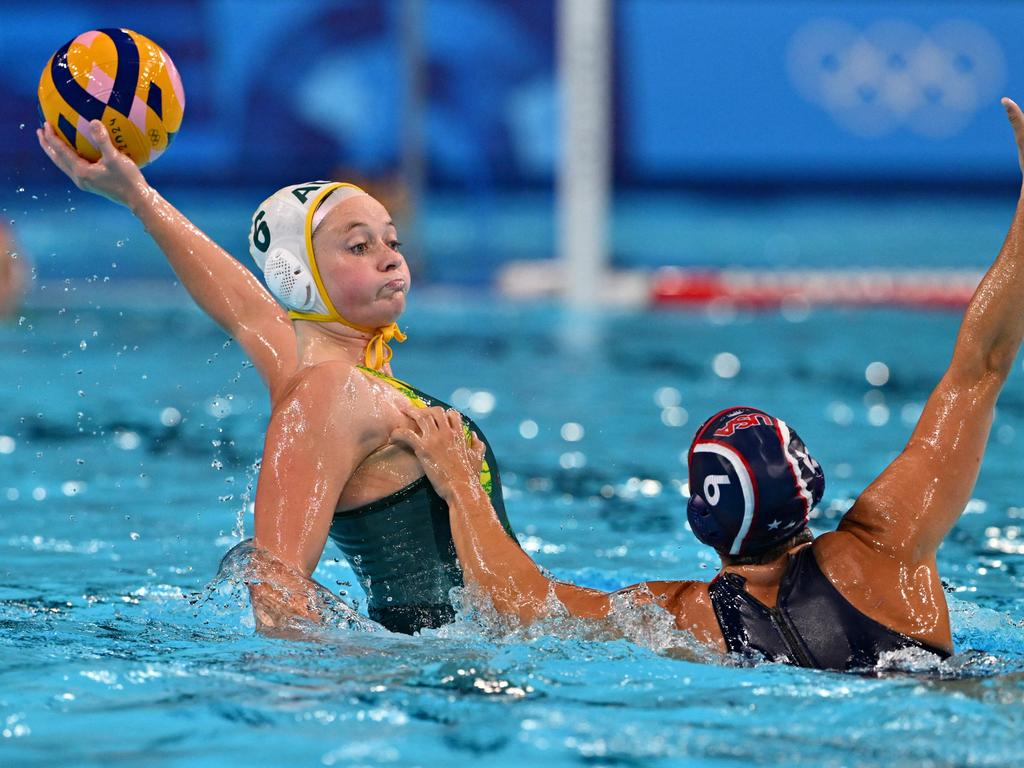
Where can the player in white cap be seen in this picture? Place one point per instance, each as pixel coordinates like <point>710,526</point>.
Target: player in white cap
<point>331,256</point>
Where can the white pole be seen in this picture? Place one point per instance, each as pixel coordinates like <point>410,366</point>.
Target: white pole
<point>413,106</point>
<point>584,174</point>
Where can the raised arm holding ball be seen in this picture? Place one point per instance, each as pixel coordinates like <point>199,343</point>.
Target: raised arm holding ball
<point>332,260</point>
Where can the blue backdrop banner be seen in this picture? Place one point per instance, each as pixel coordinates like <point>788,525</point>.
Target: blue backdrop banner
<point>728,90</point>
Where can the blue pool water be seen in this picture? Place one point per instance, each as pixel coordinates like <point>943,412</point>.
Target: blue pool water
<point>128,432</point>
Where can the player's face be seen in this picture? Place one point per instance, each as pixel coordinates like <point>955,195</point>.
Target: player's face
<point>363,270</point>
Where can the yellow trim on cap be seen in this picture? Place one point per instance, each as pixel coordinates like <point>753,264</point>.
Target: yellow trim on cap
<point>377,350</point>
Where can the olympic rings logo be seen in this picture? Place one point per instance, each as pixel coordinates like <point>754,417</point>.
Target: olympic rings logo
<point>894,74</point>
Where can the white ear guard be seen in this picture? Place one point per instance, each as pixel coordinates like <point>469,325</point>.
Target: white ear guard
<point>280,242</point>
<point>289,280</point>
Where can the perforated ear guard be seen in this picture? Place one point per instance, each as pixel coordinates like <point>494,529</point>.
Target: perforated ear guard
<point>289,280</point>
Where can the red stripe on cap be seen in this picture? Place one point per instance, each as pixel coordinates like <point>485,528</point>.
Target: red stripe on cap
<point>707,425</point>
<point>792,471</point>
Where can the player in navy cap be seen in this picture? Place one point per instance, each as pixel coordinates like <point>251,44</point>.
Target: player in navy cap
<point>843,600</point>
<point>752,482</point>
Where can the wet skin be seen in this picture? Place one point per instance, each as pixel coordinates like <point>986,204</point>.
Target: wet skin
<point>881,557</point>
<point>327,444</point>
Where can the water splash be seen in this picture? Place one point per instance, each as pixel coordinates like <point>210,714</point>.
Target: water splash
<point>638,621</point>
<point>245,566</point>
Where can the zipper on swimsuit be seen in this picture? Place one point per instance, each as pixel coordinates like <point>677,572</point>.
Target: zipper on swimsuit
<point>782,624</point>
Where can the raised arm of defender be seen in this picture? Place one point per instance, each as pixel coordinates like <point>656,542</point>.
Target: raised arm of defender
<point>915,502</point>
<point>220,285</point>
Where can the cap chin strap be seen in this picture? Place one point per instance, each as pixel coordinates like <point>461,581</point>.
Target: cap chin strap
<point>378,352</point>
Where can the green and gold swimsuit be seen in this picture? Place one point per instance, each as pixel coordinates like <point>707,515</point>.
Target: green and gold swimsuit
<point>401,547</point>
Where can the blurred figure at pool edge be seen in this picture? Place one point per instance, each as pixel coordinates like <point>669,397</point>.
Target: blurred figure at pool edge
<point>840,601</point>
<point>332,257</point>
<point>12,272</point>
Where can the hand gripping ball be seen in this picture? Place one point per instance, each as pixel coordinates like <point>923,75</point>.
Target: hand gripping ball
<point>122,78</point>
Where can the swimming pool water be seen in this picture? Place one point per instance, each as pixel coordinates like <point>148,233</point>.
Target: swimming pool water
<point>128,433</point>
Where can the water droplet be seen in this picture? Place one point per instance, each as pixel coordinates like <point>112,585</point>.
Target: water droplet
<point>667,397</point>
<point>82,344</point>
<point>877,374</point>
<point>481,402</point>
<point>726,365</point>
<point>170,417</point>
<point>134,535</point>
<point>127,440</point>
<point>674,416</point>
<point>572,432</point>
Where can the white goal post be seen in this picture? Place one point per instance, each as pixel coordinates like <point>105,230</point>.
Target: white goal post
<point>584,171</point>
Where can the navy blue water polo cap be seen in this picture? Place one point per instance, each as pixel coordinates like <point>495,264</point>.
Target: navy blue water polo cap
<point>752,482</point>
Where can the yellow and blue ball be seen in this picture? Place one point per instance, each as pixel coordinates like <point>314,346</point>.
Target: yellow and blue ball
<point>122,78</point>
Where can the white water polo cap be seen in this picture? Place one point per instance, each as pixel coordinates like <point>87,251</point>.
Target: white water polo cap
<point>281,243</point>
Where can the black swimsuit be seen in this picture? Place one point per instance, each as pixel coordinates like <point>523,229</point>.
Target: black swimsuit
<point>812,625</point>
<point>401,547</point>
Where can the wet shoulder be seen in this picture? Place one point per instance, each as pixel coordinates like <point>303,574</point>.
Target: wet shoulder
<point>690,603</point>
<point>905,597</point>
<point>333,388</point>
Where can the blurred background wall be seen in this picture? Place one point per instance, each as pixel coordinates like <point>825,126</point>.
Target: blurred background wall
<point>788,133</point>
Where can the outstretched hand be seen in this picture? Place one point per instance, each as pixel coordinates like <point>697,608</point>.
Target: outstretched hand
<point>438,438</point>
<point>1017,123</point>
<point>114,175</point>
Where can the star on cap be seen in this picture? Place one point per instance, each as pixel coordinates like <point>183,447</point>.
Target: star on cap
<point>774,524</point>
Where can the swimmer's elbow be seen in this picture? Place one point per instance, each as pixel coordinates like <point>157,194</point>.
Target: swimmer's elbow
<point>999,363</point>
<point>976,367</point>
<point>979,382</point>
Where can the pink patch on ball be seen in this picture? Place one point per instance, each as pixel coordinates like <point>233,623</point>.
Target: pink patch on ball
<point>100,84</point>
<point>172,73</point>
<point>87,38</point>
<point>86,131</point>
<point>138,115</point>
